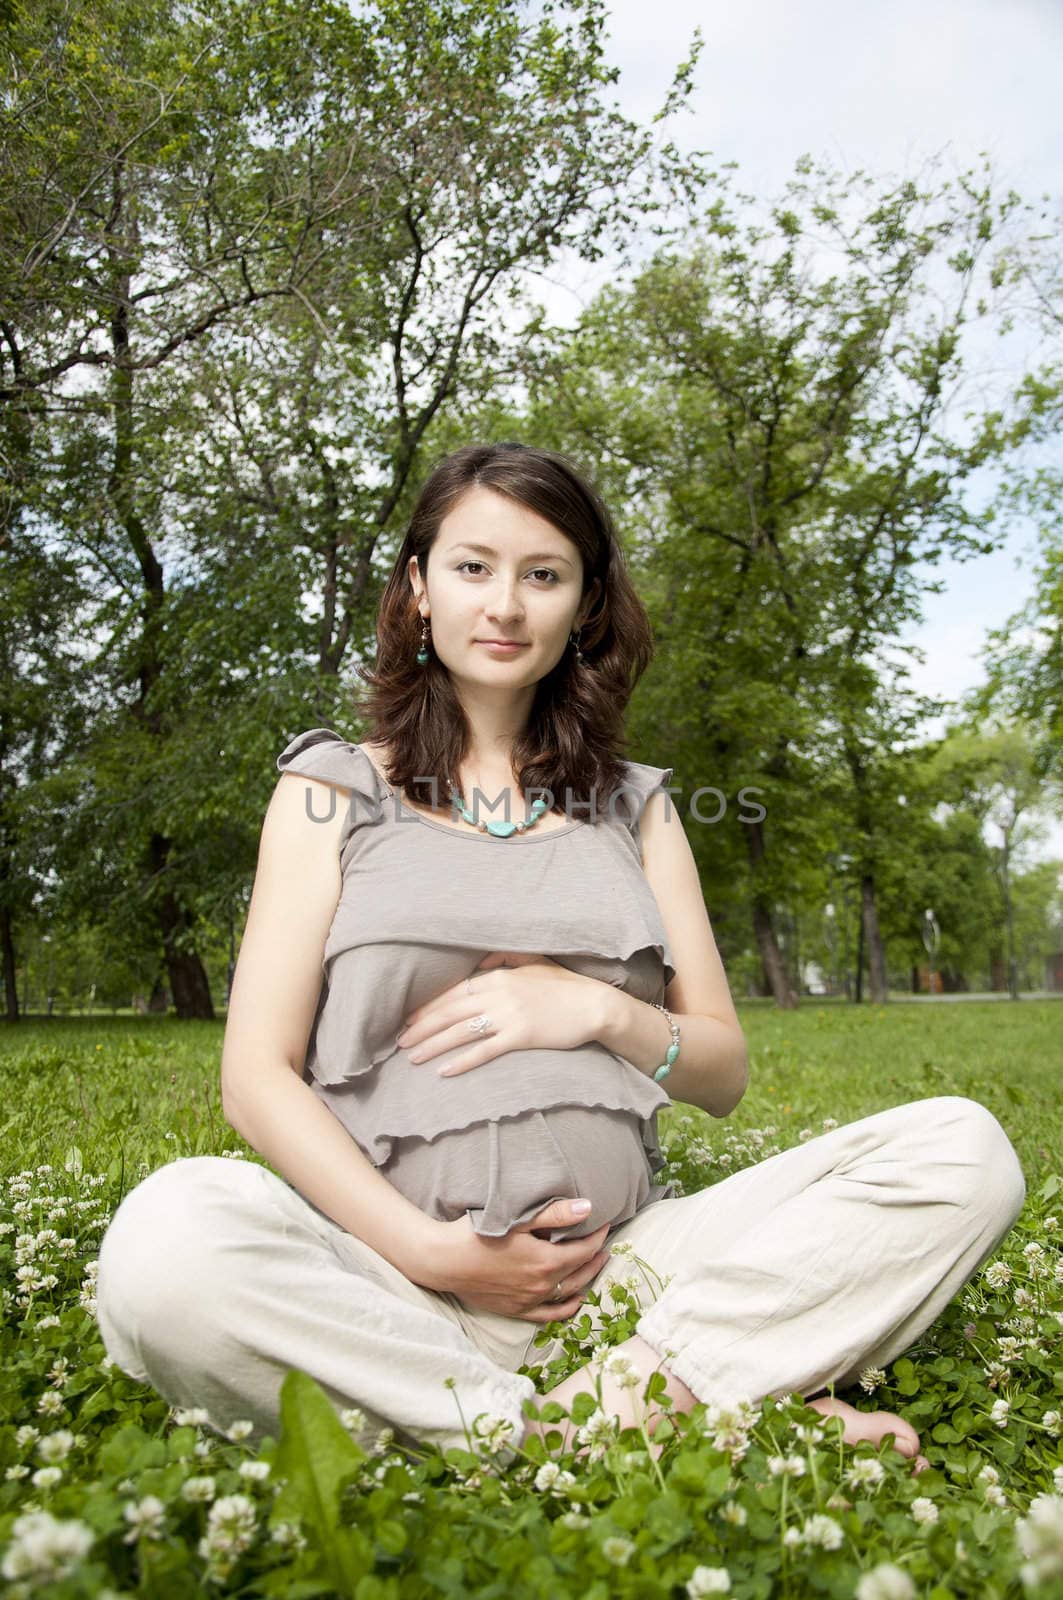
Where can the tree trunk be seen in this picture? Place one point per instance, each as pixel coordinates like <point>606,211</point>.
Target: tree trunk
<point>763,928</point>
<point>1009,918</point>
<point>7,941</point>
<point>188,979</point>
<point>187,975</point>
<point>876,952</point>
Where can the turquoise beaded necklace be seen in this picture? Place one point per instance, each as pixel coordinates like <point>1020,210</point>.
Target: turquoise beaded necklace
<point>501,830</point>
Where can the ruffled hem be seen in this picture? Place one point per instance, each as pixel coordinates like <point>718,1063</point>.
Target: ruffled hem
<point>357,1037</point>
<point>379,1146</point>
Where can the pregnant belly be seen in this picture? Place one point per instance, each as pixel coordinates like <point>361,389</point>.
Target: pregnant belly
<point>503,1172</point>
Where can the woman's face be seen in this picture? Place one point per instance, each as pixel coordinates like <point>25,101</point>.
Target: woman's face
<point>523,584</point>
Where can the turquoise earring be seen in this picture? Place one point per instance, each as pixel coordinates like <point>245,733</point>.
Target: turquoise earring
<point>422,654</point>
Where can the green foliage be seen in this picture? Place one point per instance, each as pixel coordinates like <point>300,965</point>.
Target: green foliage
<point>152,1501</point>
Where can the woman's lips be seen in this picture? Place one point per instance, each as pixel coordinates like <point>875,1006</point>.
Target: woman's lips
<point>501,649</point>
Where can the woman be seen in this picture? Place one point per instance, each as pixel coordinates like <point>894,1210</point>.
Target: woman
<point>556,958</point>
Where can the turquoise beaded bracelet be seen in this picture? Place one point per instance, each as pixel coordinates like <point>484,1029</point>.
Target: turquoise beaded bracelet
<point>672,1052</point>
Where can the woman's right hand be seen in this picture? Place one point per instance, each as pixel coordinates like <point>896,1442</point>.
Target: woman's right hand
<point>517,1274</point>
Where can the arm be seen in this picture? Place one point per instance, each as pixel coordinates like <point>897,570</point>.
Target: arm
<point>274,998</point>
<point>271,1010</point>
<point>713,1066</point>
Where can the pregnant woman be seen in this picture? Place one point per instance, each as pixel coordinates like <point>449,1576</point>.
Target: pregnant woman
<point>476,964</point>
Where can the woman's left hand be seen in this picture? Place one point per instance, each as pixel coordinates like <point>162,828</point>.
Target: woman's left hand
<point>533,1002</point>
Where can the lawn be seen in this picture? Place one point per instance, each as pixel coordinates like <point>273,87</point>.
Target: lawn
<point>106,1491</point>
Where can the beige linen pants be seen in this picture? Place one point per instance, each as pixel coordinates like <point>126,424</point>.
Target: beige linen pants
<point>216,1276</point>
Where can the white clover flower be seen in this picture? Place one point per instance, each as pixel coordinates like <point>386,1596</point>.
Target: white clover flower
<point>623,1370</point>
<point>1034,1251</point>
<point>807,1434</point>
<point>46,1477</point>
<point>50,1321</point>
<point>598,1428</point>
<point>924,1510</point>
<point>738,1414</point>
<point>236,1431</point>
<point>997,1274</point>
<point>50,1404</point>
<point>202,1448</point>
<point>999,1413</point>
<point>44,1549</point>
<point>995,1496</point>
<point>822,1531</point>
<point>257,1471</point>
<point>734,1513</point>
<point>618,1551</point>
<point>865,1472</point>
<point>1009,1349</point>
<point>989,1474</point>
<point>198,1489</point>
<point>231,1525</point>
<point>792,1538</point>
<point>872,1378</point>
<point>574,1519</point>
<point>805,1133</point>
<point>829,1123</point>
<point>146,1517</point>
<point>708,1580</point>
<point>791,1466</point>
<point>60,1370</point>
<point>1040,1539</point>
<point>384,1440</point>
<point>885,1582</point>
<point>1051,1423</point>
<point>56,1446</point>
<point>996,1373</point>
<point>353,1418</point>
<point>495,1433</point>
<point>288,1536</point>
<point>19,1471</point>
<point>547,1475</point>
<point>26,1434</point>
<point>622,1247</point>
<point>732,1441</point>
<point>191,1416</point>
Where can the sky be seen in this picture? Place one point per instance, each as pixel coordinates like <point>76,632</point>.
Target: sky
<point>881,86</point>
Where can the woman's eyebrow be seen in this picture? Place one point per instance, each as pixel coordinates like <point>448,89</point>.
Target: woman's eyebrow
<point>536,555</point>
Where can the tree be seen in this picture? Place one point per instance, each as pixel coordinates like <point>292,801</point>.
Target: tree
<point>778,406</point>
<point>197,209</point>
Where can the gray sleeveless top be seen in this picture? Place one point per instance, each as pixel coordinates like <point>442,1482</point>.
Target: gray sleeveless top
<point>421,904</point>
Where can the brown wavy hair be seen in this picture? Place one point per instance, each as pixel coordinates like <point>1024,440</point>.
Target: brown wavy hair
<point>574,738</point>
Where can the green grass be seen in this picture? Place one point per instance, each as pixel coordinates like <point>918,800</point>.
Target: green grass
<point>102,1102</point>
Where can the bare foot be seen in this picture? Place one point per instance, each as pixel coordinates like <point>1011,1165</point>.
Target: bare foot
<point>873,1426</point>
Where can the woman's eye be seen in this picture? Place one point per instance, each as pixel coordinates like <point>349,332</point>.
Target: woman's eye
<point>539,571</point>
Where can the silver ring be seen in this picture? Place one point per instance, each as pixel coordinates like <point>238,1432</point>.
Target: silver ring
<point>560,1295</point>
<point>480,1024</point>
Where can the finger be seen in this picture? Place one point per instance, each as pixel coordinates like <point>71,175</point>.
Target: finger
<point>462,1064</point>
<point>553,1310</point>
<point>572,1253</point>
<point>555,1214</point>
